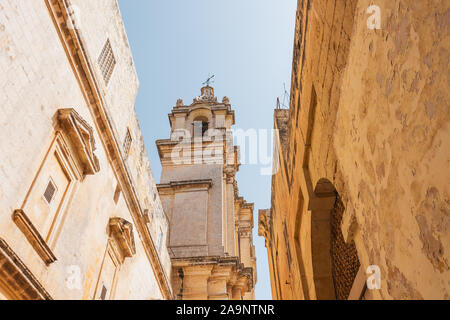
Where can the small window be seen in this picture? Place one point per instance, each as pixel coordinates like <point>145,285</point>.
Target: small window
<point>50,191</point>
<point>103,294</point>
<point>107,62</point>
<point>127,143</point>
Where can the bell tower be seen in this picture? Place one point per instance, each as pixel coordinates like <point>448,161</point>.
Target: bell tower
<point>210,234</point>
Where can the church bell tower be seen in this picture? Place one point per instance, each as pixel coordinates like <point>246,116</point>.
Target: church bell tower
<point>210,234</point>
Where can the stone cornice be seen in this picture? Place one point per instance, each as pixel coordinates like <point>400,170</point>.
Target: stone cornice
<point>81,136</point>
<point>74,45</point>
<point>202,184</point>
<point>23,283</point>
<point>244,204</point>
<point>176,153</point>
<point>240,273</point>
<point>121,231</point>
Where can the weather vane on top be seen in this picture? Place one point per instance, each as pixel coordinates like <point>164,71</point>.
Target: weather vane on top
<point>209,80</point>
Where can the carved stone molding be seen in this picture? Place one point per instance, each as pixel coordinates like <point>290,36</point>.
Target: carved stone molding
<point>235,189</point>
<point>207,95</point>
<point>202,184</point>
<point>245,232</point>
<point>121,232</point>
<point>21,283</point>
<point>33,236</point>
<point>230,173</point>
<point>81,136</point>
<point>264,224</point>
<point>226,100</point>
<point>180,103</point>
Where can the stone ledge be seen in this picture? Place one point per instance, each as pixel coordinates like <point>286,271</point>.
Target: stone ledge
<point>33,236</point>
<point>201,183</point>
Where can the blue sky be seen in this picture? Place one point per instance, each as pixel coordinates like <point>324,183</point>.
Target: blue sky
<point>246,44</point>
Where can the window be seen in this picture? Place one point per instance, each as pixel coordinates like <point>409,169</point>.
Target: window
<point>127,143</point>
<point>47,202</point>
<point>50,191</point>
<point>69,157</point>
<point>120,246</point>
<point>200,127</point>
<point>106,62</point>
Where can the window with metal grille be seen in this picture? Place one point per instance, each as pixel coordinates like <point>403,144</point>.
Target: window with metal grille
<point>50,191</point>
<point>344,257</point>
<point>106,61</point>
<point>127,143</point>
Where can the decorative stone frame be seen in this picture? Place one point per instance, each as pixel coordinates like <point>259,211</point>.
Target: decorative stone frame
<point>122,237</point>
<point>120,246</point>
<point>73,143</point>
<point>112,252</point>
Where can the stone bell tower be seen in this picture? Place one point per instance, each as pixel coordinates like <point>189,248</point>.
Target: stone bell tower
<point>210,234</point>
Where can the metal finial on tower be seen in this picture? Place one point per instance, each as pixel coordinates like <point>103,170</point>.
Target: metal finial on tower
<point>209,80</point>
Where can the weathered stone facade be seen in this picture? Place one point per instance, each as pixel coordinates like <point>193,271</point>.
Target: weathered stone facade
<point>80,215</point>
<point>210,233</point>
<point>363,162</point>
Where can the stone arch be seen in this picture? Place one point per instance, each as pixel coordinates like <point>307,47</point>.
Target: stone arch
<point>201,125</point>
<point>335,263</point>
<point>199,120</point>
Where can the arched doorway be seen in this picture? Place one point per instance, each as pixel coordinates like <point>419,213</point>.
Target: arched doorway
<point>335,262</point>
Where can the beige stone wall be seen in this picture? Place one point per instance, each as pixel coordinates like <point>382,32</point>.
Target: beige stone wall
<point>38,79</point>
<point>369,121</point>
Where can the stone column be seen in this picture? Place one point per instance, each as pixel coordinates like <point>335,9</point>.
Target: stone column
<point>230,172</point>
<point>224,213</point>
<point>217,284</point>
<point>237,292</point>
<point>230,291</point>
<point>195,282</point>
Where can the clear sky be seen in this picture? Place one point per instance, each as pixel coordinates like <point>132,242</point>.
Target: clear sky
<point>246,44</point>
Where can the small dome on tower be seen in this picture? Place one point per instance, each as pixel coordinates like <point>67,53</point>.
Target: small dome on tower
<point>207,92</point>
<point>207,95</point>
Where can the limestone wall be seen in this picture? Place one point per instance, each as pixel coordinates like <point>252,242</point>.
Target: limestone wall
<point>369,121</point>
<point>37,80</point>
